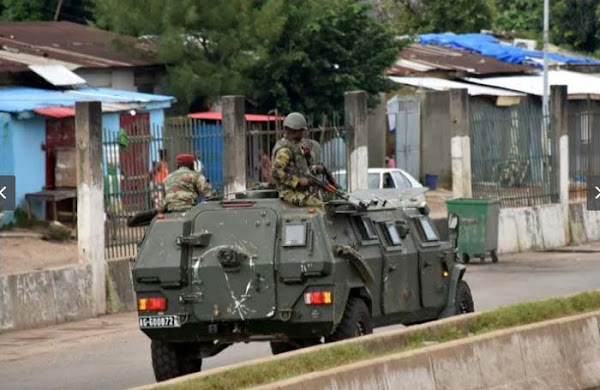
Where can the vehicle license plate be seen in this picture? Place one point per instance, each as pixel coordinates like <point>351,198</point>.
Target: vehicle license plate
<point>159,322</point>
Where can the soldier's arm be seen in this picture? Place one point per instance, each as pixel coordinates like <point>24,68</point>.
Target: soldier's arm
<point>280,170</point>
<point>203,187</point>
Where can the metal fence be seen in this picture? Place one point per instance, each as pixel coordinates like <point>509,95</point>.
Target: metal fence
<point>327,130</point>
<point>510,154</point>
<point>138,157</point>
<point>583,127</point>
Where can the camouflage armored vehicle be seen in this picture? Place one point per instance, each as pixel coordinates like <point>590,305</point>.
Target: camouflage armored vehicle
<point>258,269</point>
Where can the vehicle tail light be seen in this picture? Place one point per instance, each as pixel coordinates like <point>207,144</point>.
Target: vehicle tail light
<point>318,298</point>
<point>152,304</point>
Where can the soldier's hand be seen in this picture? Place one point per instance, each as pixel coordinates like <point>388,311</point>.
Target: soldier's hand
<point>303,182</point>
<point>318,169</point>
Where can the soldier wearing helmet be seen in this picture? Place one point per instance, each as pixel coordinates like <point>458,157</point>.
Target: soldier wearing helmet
<point>184,186</point>
<point>290,167</point>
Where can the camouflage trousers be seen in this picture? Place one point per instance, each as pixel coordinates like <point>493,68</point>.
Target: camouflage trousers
<point>300,198</point>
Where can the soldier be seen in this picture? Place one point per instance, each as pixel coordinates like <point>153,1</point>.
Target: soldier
<point>290,167</point>
<point>184,186</point>
<point>312,152</point>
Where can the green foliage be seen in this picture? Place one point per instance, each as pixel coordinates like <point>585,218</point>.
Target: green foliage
<point>281,53</point>
<point>43,10</point>
<point>430,16</point>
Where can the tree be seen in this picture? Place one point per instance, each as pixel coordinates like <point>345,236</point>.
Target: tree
<point>284,54</point>
<point>430,16</point>
<point>79,11</point>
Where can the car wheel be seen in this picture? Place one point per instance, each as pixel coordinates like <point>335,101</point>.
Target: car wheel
<point>466,258</point>
<point>170,360</point>
<point>464,299</point>
<point>494,256</point>
<point>355,322</point>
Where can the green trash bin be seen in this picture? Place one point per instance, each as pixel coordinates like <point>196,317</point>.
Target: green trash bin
<point>478,227</point>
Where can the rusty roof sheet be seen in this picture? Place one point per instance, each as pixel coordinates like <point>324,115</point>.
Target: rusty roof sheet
<point>418,59</point>
<point>11,66</point>
<point>71,43</point>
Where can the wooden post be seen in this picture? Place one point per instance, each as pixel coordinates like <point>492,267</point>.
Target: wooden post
<point>90,196</point>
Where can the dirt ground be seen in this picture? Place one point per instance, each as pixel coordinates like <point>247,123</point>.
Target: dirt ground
<point>24,250</point>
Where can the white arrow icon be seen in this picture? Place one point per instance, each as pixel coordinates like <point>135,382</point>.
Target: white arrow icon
<point>597,189</point>
<point>4,189</point>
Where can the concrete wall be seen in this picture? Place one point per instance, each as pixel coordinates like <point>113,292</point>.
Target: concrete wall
<point>377,135</point>
<point>123,79</point>
<point>58,295</point>
<point>560,354</point>
<point>436,132</point>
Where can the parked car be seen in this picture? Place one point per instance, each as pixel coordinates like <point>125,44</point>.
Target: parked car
<point>383,178</point>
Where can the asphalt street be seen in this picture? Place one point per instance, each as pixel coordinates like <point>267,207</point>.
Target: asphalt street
<point>111,353</point>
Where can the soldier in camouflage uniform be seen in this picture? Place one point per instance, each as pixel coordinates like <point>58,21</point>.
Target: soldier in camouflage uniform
<point>312,152</point>
<point>184,186</point>
<point>290,167</point>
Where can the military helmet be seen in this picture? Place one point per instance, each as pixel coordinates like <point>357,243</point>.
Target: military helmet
<point>295,121</point>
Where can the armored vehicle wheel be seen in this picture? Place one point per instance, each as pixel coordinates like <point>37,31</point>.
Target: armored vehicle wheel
<point>170,360</point>
<point>355,322</point>
<point>464,299</point>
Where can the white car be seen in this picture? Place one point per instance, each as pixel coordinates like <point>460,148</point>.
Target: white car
<point>382,178</point>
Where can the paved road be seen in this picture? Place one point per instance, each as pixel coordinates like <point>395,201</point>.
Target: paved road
<point>110,353</point>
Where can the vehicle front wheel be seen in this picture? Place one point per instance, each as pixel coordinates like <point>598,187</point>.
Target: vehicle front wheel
<point>464,299</point>
<point>355,322</point>
<point>170,360</point>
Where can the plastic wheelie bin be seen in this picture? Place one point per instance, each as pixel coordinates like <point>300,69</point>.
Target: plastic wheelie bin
<point>477,227</point>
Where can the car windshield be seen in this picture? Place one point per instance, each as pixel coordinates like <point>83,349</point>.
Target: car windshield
<point>343,182</point>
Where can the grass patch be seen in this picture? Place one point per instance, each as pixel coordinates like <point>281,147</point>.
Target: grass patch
<point>339,355</point>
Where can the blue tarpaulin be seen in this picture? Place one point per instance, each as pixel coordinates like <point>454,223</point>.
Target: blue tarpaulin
<point>488,45</point>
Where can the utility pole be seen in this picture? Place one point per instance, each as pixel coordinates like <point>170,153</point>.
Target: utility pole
<point>545,99</point>
<point>58,7</point>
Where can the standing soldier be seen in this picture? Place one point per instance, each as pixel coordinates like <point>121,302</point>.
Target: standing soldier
<point>184,186</point>
<point>290,169</point>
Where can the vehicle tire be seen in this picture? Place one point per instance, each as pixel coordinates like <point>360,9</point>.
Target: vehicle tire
<point>464,299</point>
<point>494,256</point>
<point>170,360</point>
<point>355,322</point>
<point>466,258</point>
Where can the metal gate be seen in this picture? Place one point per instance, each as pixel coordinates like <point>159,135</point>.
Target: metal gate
<point>407,113</point>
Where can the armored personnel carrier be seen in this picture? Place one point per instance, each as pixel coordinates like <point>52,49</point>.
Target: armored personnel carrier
<point>256,268</point>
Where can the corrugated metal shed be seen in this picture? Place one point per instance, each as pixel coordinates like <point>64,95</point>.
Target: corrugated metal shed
<point>579,85</point>
<point>22,99</point>
<point>418,58</point>
<point>445,85</point>
<point>71,43</point>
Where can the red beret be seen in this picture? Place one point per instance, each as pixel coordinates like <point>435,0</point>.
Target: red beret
<point>186,158</point>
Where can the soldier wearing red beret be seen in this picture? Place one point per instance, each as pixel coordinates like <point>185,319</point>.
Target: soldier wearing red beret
<point>184,186</point>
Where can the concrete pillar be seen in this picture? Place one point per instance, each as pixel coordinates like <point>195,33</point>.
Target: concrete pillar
<point>357,155</point>
<point>377,124</point>
<point>436,131</point>
<point>460,144</point>
<point>559,124</point>
<point>234,145</point>
<point>90,196</point>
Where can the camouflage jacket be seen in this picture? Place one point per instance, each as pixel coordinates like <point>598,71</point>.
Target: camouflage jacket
<point>288,164</point>
<point>312,152</point>
<point>183,188</point>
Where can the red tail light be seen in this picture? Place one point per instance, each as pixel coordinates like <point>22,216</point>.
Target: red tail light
<point>318,298</point>
<point>152,304</point>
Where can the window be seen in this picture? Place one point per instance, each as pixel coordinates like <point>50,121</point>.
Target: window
<point>387,181</point>
<point>401,181</point>
<point>294,234</point>
<point>366,228</point>
<point>428,230</point>
<point>393,234</point>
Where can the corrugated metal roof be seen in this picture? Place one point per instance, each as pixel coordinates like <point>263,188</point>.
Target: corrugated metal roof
<point>579,85</point>
<point>57,75</point>
<point>71,43</point>
<point>445,85</point>
<point>65,112</point>
<point>23,99</point>
<point>217,116</point>
<point>12,66</point>
<point>419,58</point>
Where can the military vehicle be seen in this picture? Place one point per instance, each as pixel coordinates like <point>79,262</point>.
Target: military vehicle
<point>256,268</point>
